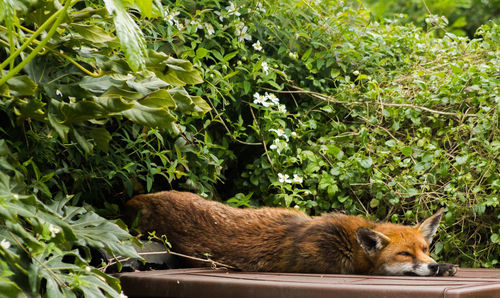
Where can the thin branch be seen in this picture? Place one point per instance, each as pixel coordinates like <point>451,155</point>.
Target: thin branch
<point>399,105</point>
<point>213,263</point>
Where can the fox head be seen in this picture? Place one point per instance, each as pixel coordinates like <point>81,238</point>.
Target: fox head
<point>401,250</point>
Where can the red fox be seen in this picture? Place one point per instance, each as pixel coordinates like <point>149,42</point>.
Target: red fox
<point>287,240</point>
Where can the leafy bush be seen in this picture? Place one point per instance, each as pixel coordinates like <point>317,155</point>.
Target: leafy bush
<point>79,91</point>
<point>325,109</point>
<point>464,17</point>
<point>306,104</point>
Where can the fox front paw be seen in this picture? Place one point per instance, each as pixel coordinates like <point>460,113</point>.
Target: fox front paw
<point>445,269</point>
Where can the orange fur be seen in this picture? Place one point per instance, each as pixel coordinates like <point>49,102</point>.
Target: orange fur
<point>281,240</point>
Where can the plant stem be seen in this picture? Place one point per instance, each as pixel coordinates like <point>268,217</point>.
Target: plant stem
<point>32,37</point>
<point>17,69</point>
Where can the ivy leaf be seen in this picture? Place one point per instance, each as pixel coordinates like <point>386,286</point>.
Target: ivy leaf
<point>365,162</point>
<point>407,151</point>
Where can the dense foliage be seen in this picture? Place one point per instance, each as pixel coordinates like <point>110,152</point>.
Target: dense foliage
<point>325,110</point>
<point>69,97</point>
<point>462,17</point>
<point>305,104</point>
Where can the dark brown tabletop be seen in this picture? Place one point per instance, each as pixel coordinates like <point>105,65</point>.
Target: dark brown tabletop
<point>200,282</point>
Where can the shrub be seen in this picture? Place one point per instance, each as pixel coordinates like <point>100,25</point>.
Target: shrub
<point>79,90</point>
<point>325,109</point>
<point>464,17</point>
<point>305,104</point>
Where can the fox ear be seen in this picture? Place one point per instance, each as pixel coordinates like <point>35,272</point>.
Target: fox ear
<point>371,241</point>
<point>430,226</point>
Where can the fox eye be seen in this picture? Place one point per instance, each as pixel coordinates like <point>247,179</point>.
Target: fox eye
<point>405,253</point>
<point>425,249</point>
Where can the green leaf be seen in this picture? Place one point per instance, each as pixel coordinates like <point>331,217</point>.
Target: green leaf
<point>152,117</point>
<point>374,203</point>
<point>80,111</point>
<point>130,35</point>
<point>93,230</point>
<point>335,151</point>
<point>21,86</point>
<point>101,137</point>
<point>201,53</point>
<point>407,151</point>
<point>146,7</point>
<point>181,72</point>
<point>61,129</point>
<point>461,159</point>
<point>306,54</point>
<point>83,142</point>
<point>200,106</point>
<point>147,85</point>
<point>159,99</point>
<point>99,85</point>
<point>365,162</point>
<point>230,56</point>
<point>9,289</point>
<point>92,33</point>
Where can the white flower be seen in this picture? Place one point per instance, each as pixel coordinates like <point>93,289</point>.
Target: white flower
<point>231,9</point>
<point>280,132</point>
<point>259,99</point>
<point>241,32</point>
<point>221,16</point>
<point>5,244</point>
<point>297,179</point>
<point>266,103</point>
<point>265,67</point>
<point>53,230</point>
<point>356,73</point>
<point>122,295</point>
<point>210,29</point>
<point>260,7</point>
<point>257,46</point>
<point>282,108</point>
<point>294,134</point>
<point>88,269</point>
<point>275,100</point>
<point>197,24</point>
<point>59,93</point>
<point>284,178</point>
<point>293,55</point>
<point>275,146</point>
<point>179,25</point>
<point>170,17</point>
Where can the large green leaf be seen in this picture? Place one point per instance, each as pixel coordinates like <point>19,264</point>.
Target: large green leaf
<point>9,289</point>
<point>92,33</point>
<point>130,35</point>
<point>150,116</point>
<point>21,86</point>
<point>93,230</point>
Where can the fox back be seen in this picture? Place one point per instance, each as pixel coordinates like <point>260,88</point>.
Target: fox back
<point>285,240</point>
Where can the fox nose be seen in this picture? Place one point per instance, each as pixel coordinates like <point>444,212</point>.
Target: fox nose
<point>433,267</point>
